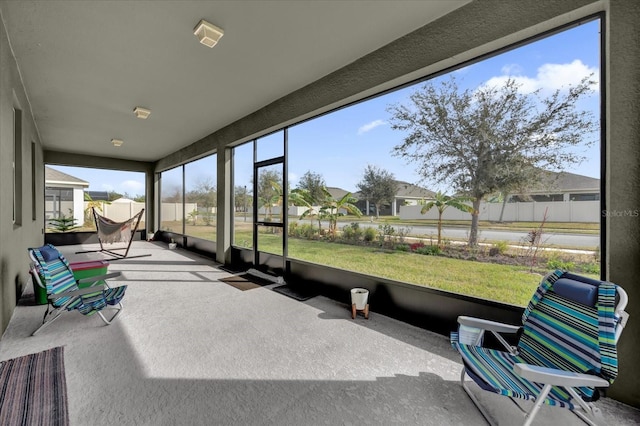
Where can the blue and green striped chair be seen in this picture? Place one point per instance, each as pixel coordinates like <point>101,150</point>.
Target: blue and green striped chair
<point>50,270</point>
<point>566,348</point>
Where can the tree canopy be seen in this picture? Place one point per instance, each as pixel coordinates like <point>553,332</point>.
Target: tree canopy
<point>378,186</point>
<point>269,190</point>
<point>242,198</point>
<point>313,183</point>
<point>203,193</point>
<point>491,138</point>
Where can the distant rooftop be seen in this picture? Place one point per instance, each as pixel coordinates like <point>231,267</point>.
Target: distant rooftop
<point>53,176</point>
<point>98,195</point>
<point>565,181</point>
<point>409,190</point>
<point>337,193</point>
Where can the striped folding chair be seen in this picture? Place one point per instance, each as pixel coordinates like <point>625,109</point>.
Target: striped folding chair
<point>565,352</point>
<point>50,270</point>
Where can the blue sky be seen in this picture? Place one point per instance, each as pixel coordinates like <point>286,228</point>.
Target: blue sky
<point>339,145</point>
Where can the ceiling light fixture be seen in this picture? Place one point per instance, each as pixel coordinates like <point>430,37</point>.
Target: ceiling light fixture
<point>142,113</point>
<point>117,142</point>
<point>207,33</point>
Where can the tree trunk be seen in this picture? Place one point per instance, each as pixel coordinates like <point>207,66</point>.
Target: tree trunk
<point>439,228</point>
<point>473,234</point>
<point>377,211</point>
<point>505,197</point>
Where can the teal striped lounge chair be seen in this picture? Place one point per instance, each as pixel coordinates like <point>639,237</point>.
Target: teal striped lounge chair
<point>50,270</point>
<point>565,352</point>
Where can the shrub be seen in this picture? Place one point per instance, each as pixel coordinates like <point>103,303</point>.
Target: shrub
<point>402,247</point>
<point>429,250</point>
<point>387,236</point>
<point>352,232</point>
<point>301,231</point>
<point>63,224</point>
<point>501,246</point>
<point>207,218</point>
<point>402,234</point>
<point>307,231</point>
<point>591,268</point>
<point>370,234</point>
<point>555,262</point>
<point>416,246</point>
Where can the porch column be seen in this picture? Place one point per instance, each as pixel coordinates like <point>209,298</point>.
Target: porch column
<point>223,210</point>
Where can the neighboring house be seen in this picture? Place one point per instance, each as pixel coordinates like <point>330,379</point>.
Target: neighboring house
<point>562,186</point>
<point>410,195</point>
<point>64,195</point>
<point>407,194</point>
<point>337,193</point>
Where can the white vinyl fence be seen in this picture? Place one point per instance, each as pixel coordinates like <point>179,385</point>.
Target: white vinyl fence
<point>119,212</point>
<point>173,211</point>
<point>558,211</point>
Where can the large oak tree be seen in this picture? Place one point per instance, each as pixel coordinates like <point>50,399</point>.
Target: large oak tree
<point>480,141</point>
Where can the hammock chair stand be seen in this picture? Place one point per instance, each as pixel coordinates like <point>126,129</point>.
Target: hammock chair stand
<point>110,231</point>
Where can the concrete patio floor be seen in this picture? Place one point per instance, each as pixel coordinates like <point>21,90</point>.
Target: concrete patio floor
<point>191,350</point>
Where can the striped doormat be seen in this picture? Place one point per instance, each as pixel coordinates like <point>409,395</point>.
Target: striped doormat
<point>33,390</point>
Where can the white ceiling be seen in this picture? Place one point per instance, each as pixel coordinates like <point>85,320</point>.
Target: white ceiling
<point>87,64</point>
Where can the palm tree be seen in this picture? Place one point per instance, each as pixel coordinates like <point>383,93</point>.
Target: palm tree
<point>304,198</point>
<point>90,205</point>
<point>442,202</point>
<point>331,209</point>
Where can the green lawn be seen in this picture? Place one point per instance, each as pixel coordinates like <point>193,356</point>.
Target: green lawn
<point>503,283</point>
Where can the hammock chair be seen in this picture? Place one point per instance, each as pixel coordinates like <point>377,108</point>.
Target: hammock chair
<point>110,232</point>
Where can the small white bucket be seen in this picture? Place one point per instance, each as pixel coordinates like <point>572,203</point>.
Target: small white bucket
<point>359,297</point>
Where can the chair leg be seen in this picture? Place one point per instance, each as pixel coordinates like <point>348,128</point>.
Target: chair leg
<point>539,401</point>
<point>589,409</point>
<point>46,322</point>
<point>475,401</point>
<point>109,321</point>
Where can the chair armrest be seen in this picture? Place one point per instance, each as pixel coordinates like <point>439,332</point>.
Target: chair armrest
<point>78,292</point>
<point>488,325</point>
<point>557,377</point>
<point>99,278</point>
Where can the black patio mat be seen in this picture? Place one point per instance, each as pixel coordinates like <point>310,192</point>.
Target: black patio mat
<point>298,292</point>
<point>245,281</point>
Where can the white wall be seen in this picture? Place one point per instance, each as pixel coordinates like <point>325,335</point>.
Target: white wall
<point>173,211</point>
<point>78,205</point>
<point>567,211</point>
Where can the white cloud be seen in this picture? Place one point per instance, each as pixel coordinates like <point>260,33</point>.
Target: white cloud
<point>511,69</point>
<point>550,77</point>
<point>370,126</point>
<point>106,187</point>
<point>132,187</point>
